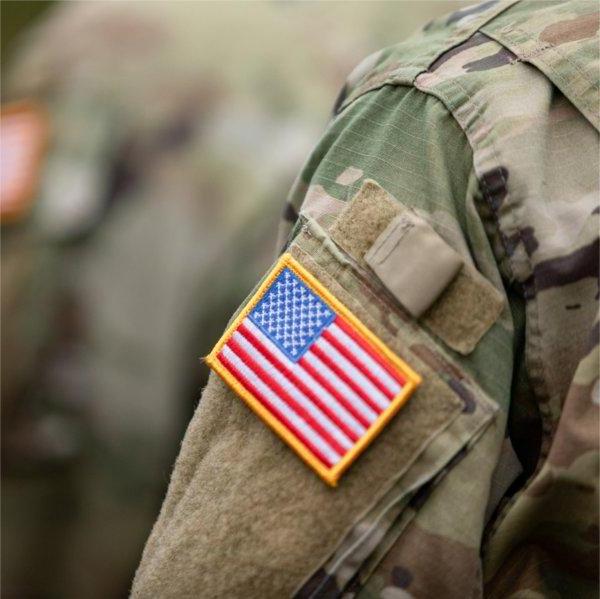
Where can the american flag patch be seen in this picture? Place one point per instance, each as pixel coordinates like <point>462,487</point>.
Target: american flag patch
<point>311,370</point>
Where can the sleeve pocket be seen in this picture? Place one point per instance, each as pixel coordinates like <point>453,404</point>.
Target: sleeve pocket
<point>446,415</point>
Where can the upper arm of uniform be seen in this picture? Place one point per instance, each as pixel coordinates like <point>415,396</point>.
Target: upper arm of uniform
<point>259,519</point>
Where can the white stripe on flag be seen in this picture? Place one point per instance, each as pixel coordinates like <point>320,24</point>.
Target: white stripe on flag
<point>281,406</point>
<point>337,383</point>
<point>358,377</point>
<point>304,401</point>
<point>387,380</point>
<point>327,399</point>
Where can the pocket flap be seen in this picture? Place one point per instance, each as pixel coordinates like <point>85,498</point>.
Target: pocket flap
<point>463,311</point>
<point>413,262</point>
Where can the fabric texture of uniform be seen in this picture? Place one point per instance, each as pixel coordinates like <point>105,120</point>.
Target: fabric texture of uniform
<point>486,484</point>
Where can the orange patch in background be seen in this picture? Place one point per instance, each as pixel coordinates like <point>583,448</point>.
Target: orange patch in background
<point>23,138</point>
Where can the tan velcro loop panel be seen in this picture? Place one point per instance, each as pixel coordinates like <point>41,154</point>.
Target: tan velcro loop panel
<point>364,219</point>
<point>413,262</point>
<point>459,309</point>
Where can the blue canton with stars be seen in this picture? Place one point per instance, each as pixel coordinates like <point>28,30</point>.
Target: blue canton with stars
<point>291,315</point>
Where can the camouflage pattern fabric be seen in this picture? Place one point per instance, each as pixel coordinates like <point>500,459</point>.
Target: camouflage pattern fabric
<point>485,124</point>
<point>156,213</point>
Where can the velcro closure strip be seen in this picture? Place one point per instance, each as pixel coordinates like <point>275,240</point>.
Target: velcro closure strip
<point>400,248</point>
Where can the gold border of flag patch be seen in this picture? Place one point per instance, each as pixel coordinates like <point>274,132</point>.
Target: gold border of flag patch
<point>330,475</point>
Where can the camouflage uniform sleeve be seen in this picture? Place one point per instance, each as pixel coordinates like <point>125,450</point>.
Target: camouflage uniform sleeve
<point>244,523</point>
<point>410,144</point>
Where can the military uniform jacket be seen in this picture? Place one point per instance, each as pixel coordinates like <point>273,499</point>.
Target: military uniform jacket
<point>479,135</point>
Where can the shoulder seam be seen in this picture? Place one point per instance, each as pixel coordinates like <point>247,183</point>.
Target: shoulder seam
<point>407,73</point>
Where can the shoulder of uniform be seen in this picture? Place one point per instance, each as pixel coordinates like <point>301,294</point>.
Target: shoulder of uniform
<point>559,38</point>
<point>401,63</point>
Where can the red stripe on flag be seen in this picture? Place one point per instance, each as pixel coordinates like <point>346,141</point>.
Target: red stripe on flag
<point>332,365</point>
<point>296,381</point>
<point>367,347</point>
<point>265,402</point>
<point>333,391</point>
<point>285,396</point>
<point>360,366</point>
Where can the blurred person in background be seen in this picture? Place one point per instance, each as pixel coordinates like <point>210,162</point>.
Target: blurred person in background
<point>442,241</point>
<point>166,136</point>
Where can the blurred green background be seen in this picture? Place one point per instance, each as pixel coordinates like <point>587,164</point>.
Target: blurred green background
<point>16,15</point>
